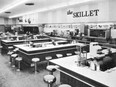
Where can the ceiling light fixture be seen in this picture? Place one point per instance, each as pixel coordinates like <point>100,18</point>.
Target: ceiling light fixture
<point>14,4</point>
<point>61,5</point>
<point>8,12</point>
<point>29,4</point>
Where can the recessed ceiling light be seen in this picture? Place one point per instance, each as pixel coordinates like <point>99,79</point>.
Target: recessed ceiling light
<point>30,4</point>
<point>8,12</point>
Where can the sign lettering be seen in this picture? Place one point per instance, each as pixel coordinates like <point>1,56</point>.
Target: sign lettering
<point>83,13</point>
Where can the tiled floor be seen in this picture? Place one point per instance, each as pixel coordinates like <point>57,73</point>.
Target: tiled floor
<point>9,77</point>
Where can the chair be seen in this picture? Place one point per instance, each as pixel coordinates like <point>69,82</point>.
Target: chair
<point>59,55</point>
<point>49,79</point>
<point>13,56</point>
<point>64,85</point>
<point>35,60</point>
<point>18,59</point>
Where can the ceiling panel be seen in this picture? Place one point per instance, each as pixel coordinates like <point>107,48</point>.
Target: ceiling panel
<point>22,8</point>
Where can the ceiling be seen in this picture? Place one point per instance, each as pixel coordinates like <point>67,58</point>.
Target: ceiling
<point>22,8</point>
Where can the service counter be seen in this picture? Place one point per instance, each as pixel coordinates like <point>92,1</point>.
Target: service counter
<point>82,76</point>
<point>46,49</point>
<point>7,43</point>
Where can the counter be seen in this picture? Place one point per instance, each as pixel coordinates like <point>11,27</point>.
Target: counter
<point>83,76</point>
<point>7,43</point>
<point>28,52</point>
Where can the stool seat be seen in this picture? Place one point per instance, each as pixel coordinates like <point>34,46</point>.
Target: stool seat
<point>14,55</point>
<point>77,52</point>
<point>10,53</point>
<point>11,47</point>
<point>51,67</point>
<point>59,55</point>
<point>69,54</point>
<point>19,58</point>
<point>35,59</point>
<point>49,79</point>
<point>48,58</point>
<point>0,46</point>
<point>16,49</point>
<point>64,85</point>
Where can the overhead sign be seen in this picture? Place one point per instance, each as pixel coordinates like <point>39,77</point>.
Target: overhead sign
<point>83,13</point>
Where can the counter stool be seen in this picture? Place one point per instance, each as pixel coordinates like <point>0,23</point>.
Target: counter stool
<point>64,85</point>
<point>15,50</point>
<point>49,79</point>
<point>13,56</point>
<point>9,54</point>
<point>48,58</point>
<point>18,59</point>
<point>35,60</point>
<point>77,52</point>
<point>10,48</point>
<point>59,55</point>
<point>69,54</point>
<point>51,68</point>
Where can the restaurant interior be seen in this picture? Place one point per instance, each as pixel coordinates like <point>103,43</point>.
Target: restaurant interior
<point>57,43</point>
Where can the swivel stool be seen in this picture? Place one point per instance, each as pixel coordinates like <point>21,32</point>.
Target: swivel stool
<point>35,60</point>
<point>49,79</point>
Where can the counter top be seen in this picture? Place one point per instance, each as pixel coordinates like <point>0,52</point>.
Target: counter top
<point>8,41</point>
<point>28,48</point>
<point>106,78</point>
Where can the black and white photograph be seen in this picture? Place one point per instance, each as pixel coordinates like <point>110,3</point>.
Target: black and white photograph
<point>57,43</point>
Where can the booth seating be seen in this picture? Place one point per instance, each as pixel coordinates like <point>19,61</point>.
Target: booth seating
<point>35,60</point>
<point>13,57</point>
<point>59,55</point>
<point>49,79</point>
<point>64,85</point>
<point>18,59</point>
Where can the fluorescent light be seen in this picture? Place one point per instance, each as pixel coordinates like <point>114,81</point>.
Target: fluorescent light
<point>14,4</point>
<point>27,13</point>
<point>61,5</point>
<point>42,10</point>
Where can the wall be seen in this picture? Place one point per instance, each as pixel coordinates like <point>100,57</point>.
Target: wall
<point>106,13</point>
<point>4,21</point>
